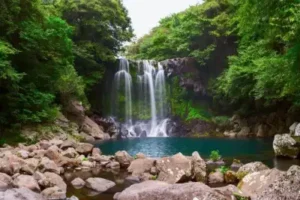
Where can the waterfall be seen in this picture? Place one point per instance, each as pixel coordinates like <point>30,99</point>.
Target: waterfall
<point>160,88</point>
<point>149,97</point>
<point>123,76</point>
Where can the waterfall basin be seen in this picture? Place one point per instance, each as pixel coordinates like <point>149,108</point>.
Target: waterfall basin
<point>247,150</point>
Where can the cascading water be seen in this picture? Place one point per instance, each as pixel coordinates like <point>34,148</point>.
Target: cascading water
<point>123,76</point>
<point>151,93</point>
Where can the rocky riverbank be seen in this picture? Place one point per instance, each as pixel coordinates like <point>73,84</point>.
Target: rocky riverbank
<point>37,172</point>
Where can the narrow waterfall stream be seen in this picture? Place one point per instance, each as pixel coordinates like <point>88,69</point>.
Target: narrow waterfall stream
<point>150,97</point>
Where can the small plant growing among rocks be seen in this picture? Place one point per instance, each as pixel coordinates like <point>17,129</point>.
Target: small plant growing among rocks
<point>215,155</point>
<point>223,169</point>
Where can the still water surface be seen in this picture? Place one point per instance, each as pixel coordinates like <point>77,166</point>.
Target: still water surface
<point>246,150</point>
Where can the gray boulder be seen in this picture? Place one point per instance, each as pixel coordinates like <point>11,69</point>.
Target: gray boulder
<point>286,186</point>
<point>252,167</point>
<point>27,182</point>
<point>78,183</point>
<point>56,180</point>
<point>123,158</point>
<point>198,168</point>
<point>140,166</point>
<point>285,145</point>
<point>174,169</point>
<point>99,184</point>
<point>156,190</point>
<point>20,194</point>
<point>84,148</point>
<point>54,193</point>
<point>215,178</point>
<point>5,182</point>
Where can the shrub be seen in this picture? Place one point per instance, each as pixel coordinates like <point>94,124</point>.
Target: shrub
<point>223,169</point>
<point>215,155</point>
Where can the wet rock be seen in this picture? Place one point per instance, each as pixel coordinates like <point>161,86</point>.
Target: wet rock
<point>140,166</point>
<point>156,190</point>
<point>230,191</point>
<point>123,158</point>
<point>215,178</point>
<point>252,167</point>
<point>5,182</point>
<point>54,193</point>
<point>285,145</point>
<point>78,183</point>
<point>130,180</point>
<point>99,184</point>
<point>84,148</point>
<point>20,194</point>
<point>26,181</point>
<point>174,169</point>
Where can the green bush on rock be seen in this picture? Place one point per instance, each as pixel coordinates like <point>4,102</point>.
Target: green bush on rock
<point>215,155</point>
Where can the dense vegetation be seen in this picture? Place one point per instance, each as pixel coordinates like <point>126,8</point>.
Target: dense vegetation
<point>53,51</point>
<point>261,72</point>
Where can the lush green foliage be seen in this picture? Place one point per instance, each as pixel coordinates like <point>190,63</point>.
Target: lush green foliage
<point>195,32</point>
<point>215,155</point>
<point>39,53</point>
<point>266,68</point>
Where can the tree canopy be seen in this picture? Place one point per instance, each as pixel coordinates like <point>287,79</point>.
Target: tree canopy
<point>51,51</point>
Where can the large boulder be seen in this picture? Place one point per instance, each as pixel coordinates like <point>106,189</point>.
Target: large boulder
<point>56,180</point>
<point>252,167</point>
<point>254,183</point>
<point>286,186</point>
<point>28,182</point>
<point>198,168</point>
<point>174,169</point>
<point>5,182</point>
<point>11,164</point>
<point>92,128</point>
<point>54,193</point>
<point>123,158</point>
<point>47,165</point>
<point>156,190</point>
<point>99,184</point>
<point>285,145</point>
<point>140,166</point>
<point>20,194</point>
<point>84,148</point>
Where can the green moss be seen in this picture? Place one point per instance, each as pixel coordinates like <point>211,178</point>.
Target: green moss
<point>241,175</point>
